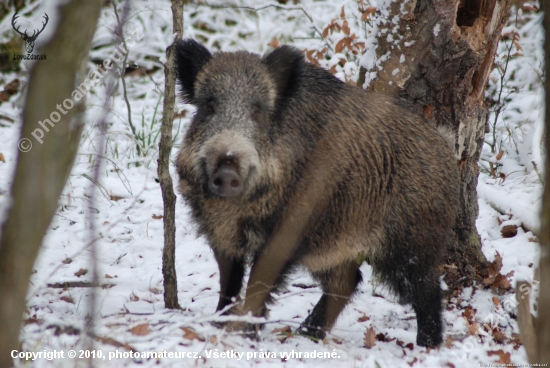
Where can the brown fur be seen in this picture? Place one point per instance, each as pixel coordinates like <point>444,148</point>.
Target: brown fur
<point>352,173</point>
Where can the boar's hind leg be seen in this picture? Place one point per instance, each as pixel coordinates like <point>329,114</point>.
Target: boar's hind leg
<point>426,302</point>
<point>231,278</point>
<point>338,284</point>
<point>415,280</point>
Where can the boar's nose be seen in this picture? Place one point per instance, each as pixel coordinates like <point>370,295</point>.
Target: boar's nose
<point>226,182</point>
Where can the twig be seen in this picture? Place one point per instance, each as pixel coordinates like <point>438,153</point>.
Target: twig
<point>120,35</point>
<point>102,125</point>
<point>273,5</point>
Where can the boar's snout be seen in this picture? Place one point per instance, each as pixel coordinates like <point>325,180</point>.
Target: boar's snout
<point>226,182</point>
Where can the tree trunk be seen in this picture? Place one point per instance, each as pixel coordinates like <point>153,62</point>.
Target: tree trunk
<point>438,55</point>
<point>43,165</point>
<point>165,148</point>
<point>543,320</point>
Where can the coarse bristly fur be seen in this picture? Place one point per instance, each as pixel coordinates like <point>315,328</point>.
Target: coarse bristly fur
<point>393,189</point>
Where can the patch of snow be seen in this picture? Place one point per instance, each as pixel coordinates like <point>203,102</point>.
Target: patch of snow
<point>437,28</point>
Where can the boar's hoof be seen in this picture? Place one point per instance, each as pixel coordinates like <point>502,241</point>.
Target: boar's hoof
<point>423,339</point>
<point>226,182</point>
<point>315,333</point>
<point>243,328</point>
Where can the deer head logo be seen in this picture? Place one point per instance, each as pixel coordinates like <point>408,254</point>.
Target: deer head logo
<point>29,40</point>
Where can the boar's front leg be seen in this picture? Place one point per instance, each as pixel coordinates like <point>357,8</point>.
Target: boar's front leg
<point>276,259</point>
<point>338,284</point>
<point>231,278</point>
<point>303,211</point>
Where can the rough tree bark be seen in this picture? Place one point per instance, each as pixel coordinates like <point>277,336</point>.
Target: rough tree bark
<point>42,171</point>
<point>165,147</point>
<point>438,55</point>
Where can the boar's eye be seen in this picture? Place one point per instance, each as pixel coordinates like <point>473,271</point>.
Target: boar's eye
<point>256,110</point>
<point>210,106</point>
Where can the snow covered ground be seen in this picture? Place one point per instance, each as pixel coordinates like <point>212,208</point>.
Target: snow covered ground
<point>480,325</point>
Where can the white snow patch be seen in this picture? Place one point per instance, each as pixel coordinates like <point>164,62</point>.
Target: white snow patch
<point>437,28</point>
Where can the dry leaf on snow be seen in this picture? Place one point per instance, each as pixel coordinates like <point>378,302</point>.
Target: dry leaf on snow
<point>140,330</point>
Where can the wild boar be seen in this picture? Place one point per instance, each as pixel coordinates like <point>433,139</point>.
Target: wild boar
<point>284,165</point>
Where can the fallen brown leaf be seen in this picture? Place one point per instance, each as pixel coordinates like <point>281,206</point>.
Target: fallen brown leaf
<point>31,320</point>
<point>516,340</point>
<point>274,43</point>
<point>472,329</point>
<point>113,342</point>
<point>189,334</point>
<point>140,330</point>
<point>370,11</point>
<point>81,272</point>
<point>67,299</point>
<point>283,330</point>
<point>529,7</point>
<point>369,339</point>
<point>115,197</point>
<point>469,313</point>
<point>12,87</point>
<point>504,358</point>
<point>498,336</point>
<point>509,231</point>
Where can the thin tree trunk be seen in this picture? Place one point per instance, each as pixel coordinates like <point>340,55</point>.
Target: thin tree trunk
<point>438,55</point>
<point>43,170</point>
<point>543,320</point>
<point>165,148</point>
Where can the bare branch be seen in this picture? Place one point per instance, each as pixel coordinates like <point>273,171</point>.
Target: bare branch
<point>120,34</point>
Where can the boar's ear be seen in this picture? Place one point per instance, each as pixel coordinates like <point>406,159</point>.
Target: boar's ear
<point>190,57</point>
<point>284,63</point>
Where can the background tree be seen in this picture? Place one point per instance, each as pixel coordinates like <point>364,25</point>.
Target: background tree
<point>543,325</point>
<point>42,172</point>
<point>535,332</point>
<point>165,148</point>
<point>438,55</point>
